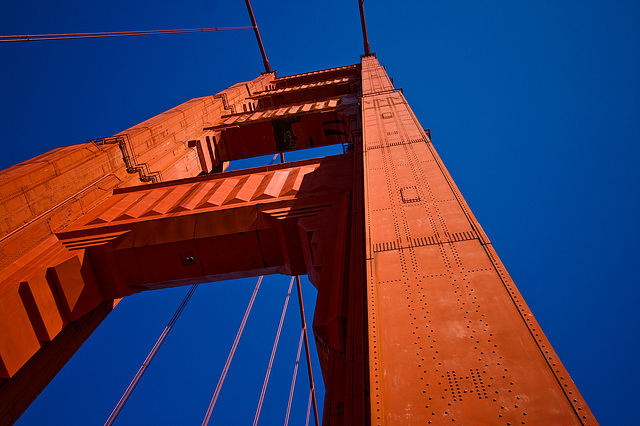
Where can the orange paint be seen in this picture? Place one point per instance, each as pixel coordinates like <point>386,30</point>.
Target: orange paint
<point>416,321</point>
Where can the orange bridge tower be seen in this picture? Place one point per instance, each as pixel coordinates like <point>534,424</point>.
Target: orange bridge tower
<point>417,321</point>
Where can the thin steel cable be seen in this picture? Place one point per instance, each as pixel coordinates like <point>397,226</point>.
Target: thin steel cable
<point>231,354</point>
<point>265,61</point>
<point>73,36</point>
<point>136,32</point>
<point>149,358</point>
<point>306,423</point>
<point>273,354</point>
<point>293,379</point>
<point>312,385</point>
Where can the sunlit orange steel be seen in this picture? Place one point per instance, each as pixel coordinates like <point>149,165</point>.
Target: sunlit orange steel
<point>416,321</point>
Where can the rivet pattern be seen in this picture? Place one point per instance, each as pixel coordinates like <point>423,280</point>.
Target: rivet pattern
<point>448,330</point>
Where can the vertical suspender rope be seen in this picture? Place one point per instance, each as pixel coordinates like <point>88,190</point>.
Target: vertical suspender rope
<point>306,349</point>
<point>293,380</point>
<point>231,354</point>
<point>149,358</point>
<point>273,354</point>
<point>306,423</point>
<point>305,337</point>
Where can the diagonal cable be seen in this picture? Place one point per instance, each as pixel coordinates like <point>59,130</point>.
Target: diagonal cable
<point>293,380</point>
<point>149,358</point>
<point>273,354</point>
<point>74,36</point>
<point>312,385</point>
<point>306,423</point>
<point>231,354</point>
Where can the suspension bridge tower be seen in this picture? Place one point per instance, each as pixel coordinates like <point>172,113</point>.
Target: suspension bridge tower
<point>417,321</point>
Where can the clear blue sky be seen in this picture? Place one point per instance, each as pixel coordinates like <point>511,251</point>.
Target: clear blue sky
<point>533,106</point>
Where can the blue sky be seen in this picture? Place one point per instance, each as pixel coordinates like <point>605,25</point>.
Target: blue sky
<point>533,106</point>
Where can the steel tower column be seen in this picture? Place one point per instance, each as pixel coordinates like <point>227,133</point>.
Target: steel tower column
<point>450,337</point>
<point>417,321</point>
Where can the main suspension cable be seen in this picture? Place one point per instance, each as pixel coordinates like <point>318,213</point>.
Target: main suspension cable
<point>273,354</point>
<point>73,36</point>
<point>149,358</point>
<point>231,354</point>
<point>265,61</point>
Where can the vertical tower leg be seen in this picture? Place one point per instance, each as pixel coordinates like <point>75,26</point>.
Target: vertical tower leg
<point>450,338</point>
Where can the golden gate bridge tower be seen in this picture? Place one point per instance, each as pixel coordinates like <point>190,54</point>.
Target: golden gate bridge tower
<point>417,321</point>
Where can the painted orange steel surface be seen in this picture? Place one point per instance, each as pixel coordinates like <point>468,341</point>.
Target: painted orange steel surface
<point>450,338</point>
<point>49,298</point>
<point>416,321</point>
<point>211,228</point>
